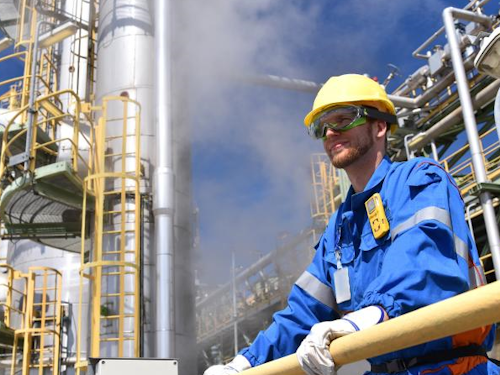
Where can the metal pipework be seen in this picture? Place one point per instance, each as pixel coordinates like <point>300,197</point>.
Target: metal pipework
<point>453,118</point>
<point>313,87</point>
<point>280,82</point>
<point>163,193</point>
<point>467,311</point>
<point>449,15</point>
<point>422,99</point>
<point>433,37</point>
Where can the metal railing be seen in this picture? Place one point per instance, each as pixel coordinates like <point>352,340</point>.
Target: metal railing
<point>40,335</point>
<point>50,118</point>
<point>463,171</point>
<point>13,315</point>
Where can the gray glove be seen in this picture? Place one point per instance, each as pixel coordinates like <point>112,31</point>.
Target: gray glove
<point>238,364</point>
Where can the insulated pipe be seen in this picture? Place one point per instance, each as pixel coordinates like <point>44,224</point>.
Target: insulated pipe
<point>163,194</point>
<point>434,151</point>
<point>467,311</point>
<point>281,82</point>
<point>313,87</point>
<point>432,38</point>
<point>422,99</point>
<point>477,156</point>
<point>453,118</point>
<point>476,4</point>
<point>469,219</point>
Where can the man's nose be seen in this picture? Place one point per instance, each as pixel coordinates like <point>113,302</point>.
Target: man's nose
<point>331,132</point>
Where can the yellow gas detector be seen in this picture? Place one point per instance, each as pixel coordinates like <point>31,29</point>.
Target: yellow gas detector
<point>376,215</point>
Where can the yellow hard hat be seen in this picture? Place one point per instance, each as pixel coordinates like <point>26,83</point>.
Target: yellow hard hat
<point>350,89</point>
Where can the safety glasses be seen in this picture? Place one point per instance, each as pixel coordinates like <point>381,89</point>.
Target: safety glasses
<point>345,118</point>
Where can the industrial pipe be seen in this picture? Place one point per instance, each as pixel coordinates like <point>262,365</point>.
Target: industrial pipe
<point>490,221</point>
<point>454,117</point>
<point>462,313</point>
<point>433,37</point>
<point>313,87</point>
<point>280,82</point>
<point>163,194</point>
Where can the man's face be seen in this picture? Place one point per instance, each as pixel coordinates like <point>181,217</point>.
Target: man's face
<point>345,148</point>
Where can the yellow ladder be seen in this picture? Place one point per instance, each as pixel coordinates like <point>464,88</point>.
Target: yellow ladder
<point>41,331</point>
<point>112,267</point>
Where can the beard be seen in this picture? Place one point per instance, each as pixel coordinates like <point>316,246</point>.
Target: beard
<point>352,154</point>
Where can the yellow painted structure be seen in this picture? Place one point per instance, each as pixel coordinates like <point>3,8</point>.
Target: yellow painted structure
<point>112,189</point>
<point>464,312</point>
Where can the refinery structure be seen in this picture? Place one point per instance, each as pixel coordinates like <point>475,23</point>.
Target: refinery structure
<point>95,198</point>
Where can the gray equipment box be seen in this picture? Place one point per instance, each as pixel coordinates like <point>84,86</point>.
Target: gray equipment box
<point>135,366</point>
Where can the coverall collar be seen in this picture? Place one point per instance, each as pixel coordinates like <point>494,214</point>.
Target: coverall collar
<point>354,200</point>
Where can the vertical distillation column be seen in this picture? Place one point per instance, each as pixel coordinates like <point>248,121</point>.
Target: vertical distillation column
<point>125,55</point>
<point>74,50</point>
<point>125,60</point>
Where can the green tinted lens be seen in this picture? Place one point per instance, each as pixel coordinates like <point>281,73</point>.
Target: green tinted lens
<point>353,124</point>
<point>338,119</point>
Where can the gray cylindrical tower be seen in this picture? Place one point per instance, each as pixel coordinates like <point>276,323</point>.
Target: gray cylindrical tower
<point>125,64</point>
<point>125,67</point>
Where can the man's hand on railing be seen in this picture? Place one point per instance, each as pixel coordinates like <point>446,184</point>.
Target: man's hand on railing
<point>314,353</point>
<point>238,364</point>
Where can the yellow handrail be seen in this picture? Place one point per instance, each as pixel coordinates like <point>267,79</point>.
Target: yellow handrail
<point>462,313</point>
<point>74,141</point>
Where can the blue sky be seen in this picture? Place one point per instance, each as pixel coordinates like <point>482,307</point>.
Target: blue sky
<point>250,150</point>
<point>251,154</point>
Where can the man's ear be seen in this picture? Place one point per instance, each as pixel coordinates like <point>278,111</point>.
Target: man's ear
<point>380,128</point>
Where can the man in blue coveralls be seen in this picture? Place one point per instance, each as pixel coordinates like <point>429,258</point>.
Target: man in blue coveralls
<point>398,242</point>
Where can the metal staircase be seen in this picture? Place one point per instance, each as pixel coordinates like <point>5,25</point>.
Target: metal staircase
<point>41,197</point>
<point>41,188</point>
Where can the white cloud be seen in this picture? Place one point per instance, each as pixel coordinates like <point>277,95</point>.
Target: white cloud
<point>256,134</point>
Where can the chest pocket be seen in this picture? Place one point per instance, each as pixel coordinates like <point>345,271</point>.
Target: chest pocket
<point>369,242</point>
<point>371,255</point>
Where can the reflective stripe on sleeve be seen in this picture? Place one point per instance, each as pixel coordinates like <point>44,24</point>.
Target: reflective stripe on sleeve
<point>476,275</point>
<point>461,248</point>
<point>316,289</point>
<point>428,213</point>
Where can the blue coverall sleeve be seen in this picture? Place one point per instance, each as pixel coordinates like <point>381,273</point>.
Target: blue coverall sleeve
<point>311,300</point>
<point>427,259</point>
